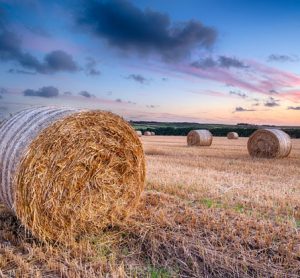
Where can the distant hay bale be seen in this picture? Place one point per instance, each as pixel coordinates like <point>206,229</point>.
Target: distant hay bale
<point>269,143</point>
<point>67,173</point>
<point>147,133</point>
<point>139,133</point>
<point>232,135</point>
<point>201,137</point>
<point>152,133</point>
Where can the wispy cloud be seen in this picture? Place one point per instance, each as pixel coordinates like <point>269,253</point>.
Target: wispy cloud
<point>46,92</point>
<point>86,94</point>
<point>137,78</point>
<point>222,62</point>
<point>239,94</point>
<point>272,102</point>
<point>260,79</point>
<point>241,109</point>
<point>91,67</point>
<point>282,58</point>
<point>293,108</point>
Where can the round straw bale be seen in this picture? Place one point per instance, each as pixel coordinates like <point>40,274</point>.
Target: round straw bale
<point>67,173</point>
<point>139,133</point>
<point>147,133</point>
<point>269,143</point>
<point>152,133</point>
<point>232,135</point>
<point>200,137</point>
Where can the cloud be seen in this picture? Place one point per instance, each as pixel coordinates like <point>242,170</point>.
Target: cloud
<point>137,77</point>
<point>17,71</point>
<point>204,63</point>
<point>90,67</point>
<point>58,60</point>
<point>273,92</point>
<point>130,29</point>
<point>221,62</point>
<point>241,109</point>
<point>240,94</point>
<point>55,61</point>
<point>293,108</point>
<point>271,102</point>
<point>164,79</point>
<point>86,94</point>
<point>67,93</point>
<point>3,91</point>
<point>152,106</point>
<point>229,62</point>
<point>122,101</point>
<point>283,58</point>
<point>47,92</point>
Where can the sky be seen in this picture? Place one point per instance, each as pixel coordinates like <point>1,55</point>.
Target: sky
<point>206,61</point>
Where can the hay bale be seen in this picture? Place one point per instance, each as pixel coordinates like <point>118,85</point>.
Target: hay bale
<point>269,143</point>
<point>139,133</point>
<point>67,173</point>
<point>232,135</point>
<point>147,133</point>
<point>152,133</point>
<point>200,137</point>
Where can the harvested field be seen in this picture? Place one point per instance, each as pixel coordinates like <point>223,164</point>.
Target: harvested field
<point>210,211</point>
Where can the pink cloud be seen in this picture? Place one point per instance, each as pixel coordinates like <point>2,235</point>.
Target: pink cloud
<point>292,95</point>
<point>258,78</point>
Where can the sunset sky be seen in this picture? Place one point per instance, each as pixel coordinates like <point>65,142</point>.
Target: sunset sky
<point>207,61</point>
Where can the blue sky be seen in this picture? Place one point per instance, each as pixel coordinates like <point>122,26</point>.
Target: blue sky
<point>199,61</point>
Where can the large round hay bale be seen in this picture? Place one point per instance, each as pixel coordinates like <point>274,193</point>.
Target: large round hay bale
<point>200,137</point>
<point>269,143</point>
<point>152,133</point>
<point>139,133</point>
<point>232,135</point>
<point>147,133</point>
<point>67,173</point>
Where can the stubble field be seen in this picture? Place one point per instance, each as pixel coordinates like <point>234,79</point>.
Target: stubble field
<point>206,212</point>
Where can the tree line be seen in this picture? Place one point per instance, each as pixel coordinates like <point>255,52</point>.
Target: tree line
<point>218,131</point>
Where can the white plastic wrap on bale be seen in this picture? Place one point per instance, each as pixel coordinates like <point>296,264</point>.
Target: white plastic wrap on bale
<point>16,134</point>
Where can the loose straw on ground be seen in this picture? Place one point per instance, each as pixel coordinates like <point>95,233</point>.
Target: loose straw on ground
<point>201,137</point>
<point>269,143</point>
<point>68,173</point>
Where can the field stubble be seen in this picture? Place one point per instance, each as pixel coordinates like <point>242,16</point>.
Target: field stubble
<point>207,211</point>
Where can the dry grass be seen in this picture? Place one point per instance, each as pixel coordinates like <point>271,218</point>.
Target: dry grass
<point>209,211</point>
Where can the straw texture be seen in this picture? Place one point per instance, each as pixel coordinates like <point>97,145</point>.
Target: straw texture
<point>269,143</point>
<point>139,133</point>
<point>232,135</point>
<point>68,173</point>
<point>201,137</point>
<point>147,133</point>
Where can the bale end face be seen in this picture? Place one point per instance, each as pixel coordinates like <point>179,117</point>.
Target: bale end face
<point>269,143</point>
